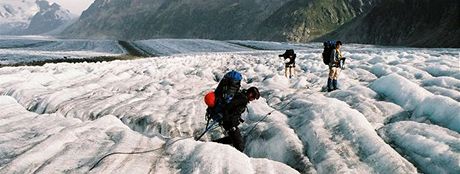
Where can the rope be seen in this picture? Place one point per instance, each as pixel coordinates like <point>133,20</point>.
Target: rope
<point>266,115</point>
<point>207,129</point>
<point>269,113</point>
<point>138,152</point>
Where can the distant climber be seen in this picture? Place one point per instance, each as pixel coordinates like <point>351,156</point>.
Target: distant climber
<point>289,62</point>
<point>332,56</point>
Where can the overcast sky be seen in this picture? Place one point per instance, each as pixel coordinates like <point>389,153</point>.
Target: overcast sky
<point>75,6</point>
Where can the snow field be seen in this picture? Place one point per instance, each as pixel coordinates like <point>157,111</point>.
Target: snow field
<point>167,47</point>
<point>309,130</point>
<point>25,49</point>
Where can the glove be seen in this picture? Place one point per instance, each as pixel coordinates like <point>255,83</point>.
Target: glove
<point>232,129</point>
<point>342,63</point>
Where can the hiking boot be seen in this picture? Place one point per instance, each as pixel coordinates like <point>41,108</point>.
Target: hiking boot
<point>334,84</point>
<point>329,85</point>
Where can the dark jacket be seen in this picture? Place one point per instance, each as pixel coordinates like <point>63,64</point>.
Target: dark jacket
<point>291,60</point>
<point>232,112</point>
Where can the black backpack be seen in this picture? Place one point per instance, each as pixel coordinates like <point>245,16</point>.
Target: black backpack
<point>287,53</point>
<point>329,46</point>
<point>224,93</point>
<point>228,86</point>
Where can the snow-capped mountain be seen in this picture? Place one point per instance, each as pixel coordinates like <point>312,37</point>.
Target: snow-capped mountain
<point>32,17</point>
<point>48,18</point>
<point>16,15</point>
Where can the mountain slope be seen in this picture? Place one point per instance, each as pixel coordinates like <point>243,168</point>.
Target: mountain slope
<point>301,20</point>
<point>425,23</point>
<point>219,19</point>
<point>49,17</point>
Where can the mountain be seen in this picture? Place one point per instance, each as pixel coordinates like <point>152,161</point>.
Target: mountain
<point>125,19</point>
<point>32,17</point>
<point>49,17</point>
<point>15,15</point>
<point>220,19</point>
<point>423,23</point>
<point>304,20</point>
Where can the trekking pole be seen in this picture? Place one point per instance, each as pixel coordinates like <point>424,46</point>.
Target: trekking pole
<point>206,130</point>
<point>266,115</point>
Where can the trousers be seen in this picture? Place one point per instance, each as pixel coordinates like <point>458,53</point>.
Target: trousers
<point>234,138</point>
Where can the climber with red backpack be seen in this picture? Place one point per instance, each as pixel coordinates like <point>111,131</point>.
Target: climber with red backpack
<point>225,106</point>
